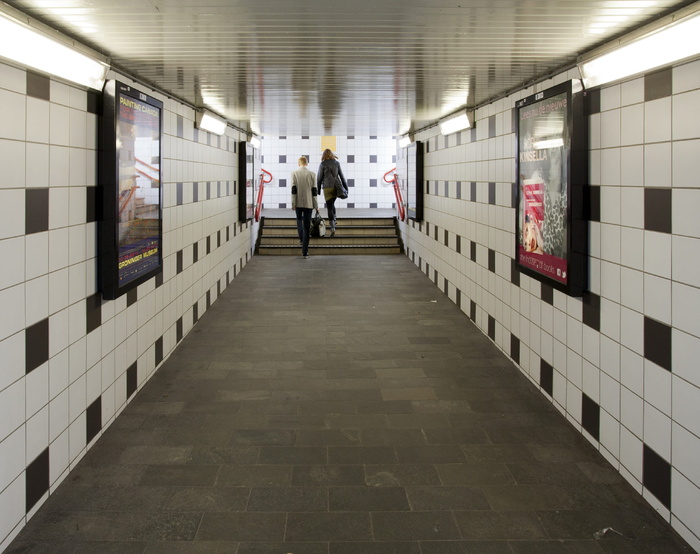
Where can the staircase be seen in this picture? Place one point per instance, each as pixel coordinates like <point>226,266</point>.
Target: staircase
<point>353,235</point>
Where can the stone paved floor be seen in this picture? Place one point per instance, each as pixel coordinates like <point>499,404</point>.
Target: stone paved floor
<point>341,405</point>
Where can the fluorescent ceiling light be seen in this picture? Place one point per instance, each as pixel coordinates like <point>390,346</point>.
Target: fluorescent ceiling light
<point>671,43</point>
<point>404,142</point>
<point>255,142</point>
<point>30,48</point>
<point>455,123</point>
<point>207,121</point>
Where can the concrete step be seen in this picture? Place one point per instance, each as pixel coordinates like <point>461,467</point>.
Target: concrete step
<point>340,230</point>
<point>338,240</point>
<point>347,221</point>
<point>325,250</point>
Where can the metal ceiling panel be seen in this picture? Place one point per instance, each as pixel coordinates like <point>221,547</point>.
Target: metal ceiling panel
<point>364,67</point>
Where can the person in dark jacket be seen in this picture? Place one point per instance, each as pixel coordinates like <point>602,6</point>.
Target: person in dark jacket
<point>325,179</point>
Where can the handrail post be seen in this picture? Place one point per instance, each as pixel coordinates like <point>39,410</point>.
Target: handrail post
<point>397,192</point>
<point>263,180</point>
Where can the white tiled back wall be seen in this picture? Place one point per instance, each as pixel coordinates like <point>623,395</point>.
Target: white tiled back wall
<point>621,363</point>
<point>69,361</point>
<point>363,160</point>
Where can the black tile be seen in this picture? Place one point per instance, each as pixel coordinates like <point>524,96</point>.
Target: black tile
<point>656,476</point>
<point>472,251</point>
<point>36,345</point>
<point>178,330</point>
<point>36,210</point>
<point>374,183</point>
<point>547,294</point>
<point>93,420</point>
<point>547,377</point>
<point>208,300</point>
<point>458,194</point>
<point>658,84</point>
<point>657,210</point>
<point>131,379</point>
<point>592,208</point>
<point>159,279</point>
<point>195,313</point>
<point>492,328</point>
<point>515,348</point>
<point>514,195</point>
<point>38,86</point>
<point>514,273</point>
<point>492,261</point>
<point>178,261</point>
<point>37,479</point>
<point>492,193</point>
<point>283,159</point>
<point>458,244</point>
<point>373,205</point>
<point>658,344</point>
<point>592,101</point>
<point>590,416</point>
<point>93,207</point>
<point>458,298</point>
<point>208,245</point>
<point>591,310</point>
<point>446,238</point>
<point>472,310</point>
<point>131,297</point>
<point>159,350</point>
<point>351,159</point>
<point>180,126</point>
<point>195,252</point>
<point>472,186</point>
<point>93,305</point>
<point>492,126</point>
<point>373,159</point>
<point>195,192</point>
<point>218,238</point>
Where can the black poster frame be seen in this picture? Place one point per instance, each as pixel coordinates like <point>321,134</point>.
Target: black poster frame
<point>131,228</point>
<point>411,180</point>
<point>551,223</point>
<point>247,157</point>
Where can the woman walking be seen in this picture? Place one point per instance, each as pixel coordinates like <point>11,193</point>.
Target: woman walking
<point>328,171</point>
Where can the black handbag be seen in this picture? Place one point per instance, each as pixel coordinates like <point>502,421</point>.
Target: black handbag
<point>318,226</point>
<point>340,191</point>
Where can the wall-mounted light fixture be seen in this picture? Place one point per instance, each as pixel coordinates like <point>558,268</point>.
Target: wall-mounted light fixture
<point>456,122</point>
<point>207,121</point>
<point>255,142</point>
<point>404,142</point>
<point>672,39</point>
<point>27,43</point>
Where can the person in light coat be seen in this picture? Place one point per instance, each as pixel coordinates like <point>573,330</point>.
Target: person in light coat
<point>304,202</point>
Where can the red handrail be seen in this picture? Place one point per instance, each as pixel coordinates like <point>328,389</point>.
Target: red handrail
<point>261,189</point>
<point>397,192</point>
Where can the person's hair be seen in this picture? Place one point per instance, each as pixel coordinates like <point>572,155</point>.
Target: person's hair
<point>327,155</point>
<point>303,161</point>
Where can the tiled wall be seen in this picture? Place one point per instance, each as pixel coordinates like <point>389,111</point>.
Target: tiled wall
<point>364,161</point>
<point>69,361</point>
<point>622,362</point>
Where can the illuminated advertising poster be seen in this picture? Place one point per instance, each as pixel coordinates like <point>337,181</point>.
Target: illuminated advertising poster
<point>130,176</point>
<point>546,225</point>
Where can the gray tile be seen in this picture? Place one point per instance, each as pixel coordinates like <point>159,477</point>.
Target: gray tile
<point>333,527</point>
<point>375,548</point>
<point>282,547</point>
<point>288,499</point>
<point>295,455</point>
<point>401,475</point>
<point>489,525</point>
<point>255,476</point>
<point>475,474</point>
<point>325,475</point>
<point>208,499</point>
<point>241,527</point>
<point>465,547</point>
<point>365,499</point>
<point>339,455</point>
<point>425,499</point>
<point>189,475</point>
<point>391,526</point>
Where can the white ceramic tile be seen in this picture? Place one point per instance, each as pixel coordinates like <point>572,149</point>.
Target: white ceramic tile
<point>610,208</point>
<point>632,330</point>
<point>12,507</point>
<point>610,434</point>
<point>59,373</point>
<point>12,213</point>
<point>686,77</point>
<point>77,205</point>
<point>686,453</point>
<point>12,454</point>
<point>37,121</point>
<point>610,129</point>
<point>657,120</point>
<point>37,165</point>
<point>632,412</point>
<point>686,498</point>
<point>632,166</point>
<point>12,153</point>
<point>610,319</point>
<point>610,242</point>
<point>610,395</point>
<point>59,460</point>
<point>77,284</point>
<point>13,273</point>
<point>657,387</point>
<point>684,209</point>
<point>37,389</point>
<point>12,114</point>
<point>632,92</point>
<point>37,299</point>
<point>590,382</point>
<point>76,437</point>
<point>59,166</point>
<point>12,354</point>
<point>37,431</point>
<point>657,298</point>
<point>12,408</point>
<point>686,307</point>
<point>60,93</point>
<point>12,302</point>
<point>13,79</point>
<point>685,126</point>
<point>78,167</point>
<point>77,398</point>
<point>59,125</point>
<point>686,405</point>
<point>657,431</point>
<point>632,248</point>
<point>610,98</point>
<point>632,205</point>
<point>657,165</point>
<point>58,290</point>
<point>657,253</point>
<point>59,203</point>
<point>685,355</point>
<point>685,155</point>
<point>632,292</point>
<point>78,128</point>
<point>610,166</point>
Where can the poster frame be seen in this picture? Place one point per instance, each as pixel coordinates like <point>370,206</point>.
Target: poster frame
<point>247,158</point>
<point>114,279</point>
<point>567,272</point>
